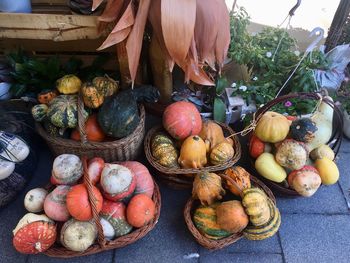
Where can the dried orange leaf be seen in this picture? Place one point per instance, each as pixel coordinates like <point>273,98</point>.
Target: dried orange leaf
<point>127,19</point>
<point>115,38</point>
<point>223,37</point>
<point>95,4</point>
<point>111,11</point>
<point>178,19</point>
<point>134,42</point>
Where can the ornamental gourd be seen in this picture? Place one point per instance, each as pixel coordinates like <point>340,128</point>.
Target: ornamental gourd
<point>207,188</point>
<point>221,153</point>
<point>93,131</point>
<point>205,220</point>
<point>46,96</point>
<point>78,203</point>
<point>67,169</point>
<point>63,111</point>
<point>34,200</point>
<point>303,129</point>
<point>267,167</point>
<point>68,84</point>
<point>231,216</point>
<point>140,210</point>
<point>323,151</point>
<point>212,134</point>
<point>55,205</point>
<point>95,167</point>
<point>272,127</point>
<point>105,85</point>
<point>193,153</point>
<point>92,97</point>
<point>305,181</point>
<point>256,206</point>
<point>39,112</point>
<point>292,154</point>
<point>327,170</point>
<point>181,119</point>
<point>257,146</point>
<point>241,178</point>
<point>164,151</point>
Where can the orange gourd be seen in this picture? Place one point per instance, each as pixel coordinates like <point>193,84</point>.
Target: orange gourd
<point>140,210</point>
<point>93,131</point>
<point>212,134</point>
<point>207,188</point>
<point>78,203</point>
<point>240,176</point>
<point>231,216</point>
<point>193,153</point>
<point>46,96</point>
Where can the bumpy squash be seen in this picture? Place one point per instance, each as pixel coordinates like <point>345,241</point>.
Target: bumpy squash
<point>231,216</point>
<point>164,151</point>
<point>46,96</point>
<point>328,171</point>
<point>305,181</point>
<point>39,112</point>
<point>256,206</point>
<point>182,119</point>
<point>212,134</point>
<point>303,129</point>
<point>63,111</point>
<point>323,151</point>
<point>292,154</point>
<point>221,153</point>
<point>267,230</point>
<point>105,85</point>
<point>92,97</point>
<point>204,218</point>
<point>272,127</point>
<point>193,153</point>
<point>241,178</point>
<point>207,188</point>
<point>68,84</point>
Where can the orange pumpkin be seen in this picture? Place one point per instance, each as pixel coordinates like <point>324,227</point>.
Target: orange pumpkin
<point>46,96</point>
<point>140,210</point>
<point>207,188</point>
<point>93,130</point>
<point>240,176</point>
<point>78,203</point>
<point>256,146</point>
<point>193,153</point>
<point>231,216</point>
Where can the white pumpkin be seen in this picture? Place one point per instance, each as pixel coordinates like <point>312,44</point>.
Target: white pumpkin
<point>116,178</point>
<point>67,169</point>
<point>34,200</point>
<point>30,218</point>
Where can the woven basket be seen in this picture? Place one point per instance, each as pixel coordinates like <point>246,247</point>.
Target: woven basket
<point>180,178</point>
<point>224,242</point>
<point>102,244</point>
<point>125,149</point>
<point>280,188</point>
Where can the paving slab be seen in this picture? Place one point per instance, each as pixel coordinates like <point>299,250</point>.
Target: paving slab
<point>342,161</point>
<point>221,257</point>
<point>315,238</point>
<point>103,257</point>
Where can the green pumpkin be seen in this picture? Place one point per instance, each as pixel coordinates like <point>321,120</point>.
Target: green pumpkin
<point>303,130</point>
<point>164,151</point>
<point>119,114</point>
<point>39,112</point>
<point>63,111</point>
<point>204,219</point>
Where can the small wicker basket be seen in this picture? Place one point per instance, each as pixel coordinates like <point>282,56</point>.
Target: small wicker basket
<point>102,244</point>
<point>224,242</point>
<point>334,142</point>
<point>124,149</point>
<point>180,178</point>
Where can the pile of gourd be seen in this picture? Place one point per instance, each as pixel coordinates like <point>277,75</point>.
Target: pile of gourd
<point>293,151</point>
<point>123,197</point>
<point>255,214</point>
<point>200,143</point>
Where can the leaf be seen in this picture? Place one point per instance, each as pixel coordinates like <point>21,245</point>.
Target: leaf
<point>134,42</point>
<point>127,19</point>
<point>111,11</point>
<point>223,38</point>
<point>95,4</point>
<point>219,110</point>
<point>221,85</point>
<point>115,38</point>
<point>178,20</point>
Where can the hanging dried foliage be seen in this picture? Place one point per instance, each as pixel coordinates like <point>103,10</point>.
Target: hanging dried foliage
<point>112,11</point>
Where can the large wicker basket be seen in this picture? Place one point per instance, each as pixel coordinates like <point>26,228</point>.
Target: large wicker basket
<point>221,243</point>
<point>124,149</point>
<point>180,178</point>
<point>102,244</point>
<point>281,189</point>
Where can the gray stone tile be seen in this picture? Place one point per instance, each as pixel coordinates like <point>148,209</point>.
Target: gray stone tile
<point>218,256</point>
<point>104,257</point>
<point>344,170</point>
<point>345,145</point>
<point>170,240</point>
<point>315,238</point>
<point>327,200</point>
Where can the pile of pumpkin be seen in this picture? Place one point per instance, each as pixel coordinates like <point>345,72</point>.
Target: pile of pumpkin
<point>123,197</point>
<point>200,143</point>
<point>293,151</point>
<point>255,214</point>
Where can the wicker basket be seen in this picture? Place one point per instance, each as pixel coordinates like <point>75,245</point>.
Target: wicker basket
<point>221,243</point>
<point>124,149</point>
<point>102,244</point>
<point>180,178</point>
<point>281,189</point>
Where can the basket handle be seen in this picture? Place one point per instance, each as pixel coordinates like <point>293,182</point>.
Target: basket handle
<point>81,119</point>
<point>92,199</point>
<point>235,185</point>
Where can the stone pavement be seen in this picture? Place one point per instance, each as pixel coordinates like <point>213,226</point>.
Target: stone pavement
<point>315,229</point>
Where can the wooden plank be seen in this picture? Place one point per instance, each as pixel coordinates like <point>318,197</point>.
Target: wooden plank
<point>48,26</point>
<point>50,2</point>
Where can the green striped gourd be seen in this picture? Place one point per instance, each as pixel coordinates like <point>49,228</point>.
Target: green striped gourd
<point>39,112</point>
<point>164,151</point>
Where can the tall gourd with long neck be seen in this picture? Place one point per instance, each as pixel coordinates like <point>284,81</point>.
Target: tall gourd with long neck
<point>323,118</point>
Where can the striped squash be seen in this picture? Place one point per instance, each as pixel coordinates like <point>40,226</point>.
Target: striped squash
<point>39,112</point>
<point>221,153</point>
<point>205,221</point>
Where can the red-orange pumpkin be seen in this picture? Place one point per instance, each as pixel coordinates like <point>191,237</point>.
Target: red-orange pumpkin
<point>256,146</point>
<point>140,210</point>
<point>144,180</point>
<point>182,119</point>
<point>95,167</point>
<point>55,205</point>
<point>93,130</point>
<point>78,203</point>
<point>35,237</point>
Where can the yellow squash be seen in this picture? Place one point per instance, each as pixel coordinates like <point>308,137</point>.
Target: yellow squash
<point>193,153</point>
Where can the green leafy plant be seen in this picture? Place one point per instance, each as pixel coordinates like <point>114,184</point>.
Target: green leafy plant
<point>219,106</point>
